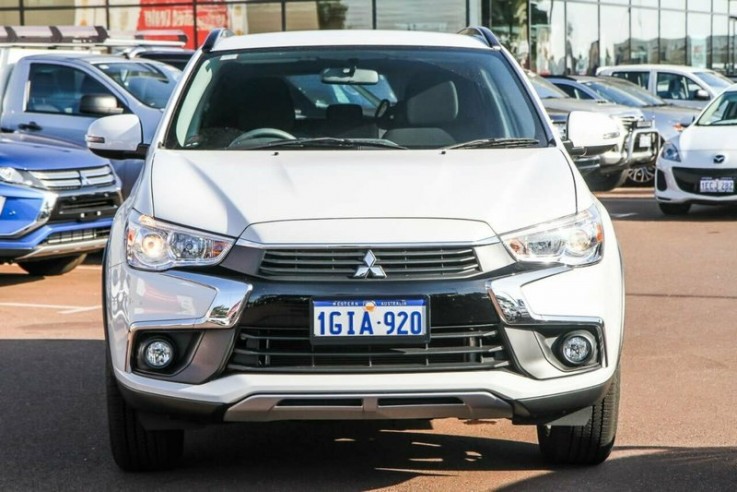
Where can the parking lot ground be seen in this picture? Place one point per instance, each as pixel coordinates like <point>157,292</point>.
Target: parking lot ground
<point>68,306</point>
<point>677,427</point>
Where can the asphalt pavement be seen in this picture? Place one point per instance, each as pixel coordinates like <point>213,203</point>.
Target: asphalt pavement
<point>677,429</point>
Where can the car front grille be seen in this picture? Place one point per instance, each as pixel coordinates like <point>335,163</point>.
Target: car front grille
<point>273,335</point>
<point>86,207</point>
<point>69,237</point>
<point>69,179</point>
<point>628,122</point>
<point>688,179</point>
<point>395,263</point>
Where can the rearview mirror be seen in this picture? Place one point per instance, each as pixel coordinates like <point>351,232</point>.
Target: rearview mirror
<point>350,76</point>
<point>595,133</point>
<point>117,137</point>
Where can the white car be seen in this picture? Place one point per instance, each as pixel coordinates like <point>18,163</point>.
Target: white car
<point>700,165</point>
<point>359,225</point>
<point>681,85</point>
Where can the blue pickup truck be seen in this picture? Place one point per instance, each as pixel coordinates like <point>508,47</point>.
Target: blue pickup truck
<point>57,201</point>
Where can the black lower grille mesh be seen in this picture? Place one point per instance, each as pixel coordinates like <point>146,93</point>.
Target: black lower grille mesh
<point>276,338</point>
<point>86,207</point>
<point>450,347</point>
<point>689,179</point>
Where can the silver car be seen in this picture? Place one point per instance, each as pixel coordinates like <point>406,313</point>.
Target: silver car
<point>669,119</point>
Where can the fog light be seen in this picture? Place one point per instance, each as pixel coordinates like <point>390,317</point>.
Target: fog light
<point>158,353</point>
<point>577,348</point>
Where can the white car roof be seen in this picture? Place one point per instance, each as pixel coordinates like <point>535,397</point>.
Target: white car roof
<point>347,38</point>
<point>643,67</point>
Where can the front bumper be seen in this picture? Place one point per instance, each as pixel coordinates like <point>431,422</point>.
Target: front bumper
<point>640,147</point>
<point>643,146</point>
<point>36,224</point>
<point>532,388</point>
<point>677,182</point>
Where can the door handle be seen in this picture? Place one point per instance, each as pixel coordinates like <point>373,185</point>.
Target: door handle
<point>31,126</point>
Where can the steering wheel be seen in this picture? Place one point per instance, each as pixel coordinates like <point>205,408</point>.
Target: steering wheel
<point>262,133</point>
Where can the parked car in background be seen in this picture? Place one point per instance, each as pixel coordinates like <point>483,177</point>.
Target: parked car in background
<point>700,165</point>
<point>57,201</point>
<point>176,57</point>
<point>59,94</point>
<point>669,119</point>
<point>638,143</point>
<point>682,85</point>
<point>281,259</point>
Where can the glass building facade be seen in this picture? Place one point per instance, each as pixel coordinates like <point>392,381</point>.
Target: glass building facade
<point>548,36</point>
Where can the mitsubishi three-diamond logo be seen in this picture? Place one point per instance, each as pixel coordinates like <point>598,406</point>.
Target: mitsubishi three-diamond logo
<point>369,268</point>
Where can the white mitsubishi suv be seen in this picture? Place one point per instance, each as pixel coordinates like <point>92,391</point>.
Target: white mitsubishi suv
<point>359,225</point>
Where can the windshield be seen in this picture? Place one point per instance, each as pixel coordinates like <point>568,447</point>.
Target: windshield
<point>614,94</point>
<point>722,111</point>
<point>145,82</point>
<point>353,97</point>
<point>625,91</point>
<point>546,89</point>
<point>714,80</point>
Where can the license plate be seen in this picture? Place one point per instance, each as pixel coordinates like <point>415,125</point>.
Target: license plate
<point>709,185</point>
<point>646,141</point>
<point>369,320</point>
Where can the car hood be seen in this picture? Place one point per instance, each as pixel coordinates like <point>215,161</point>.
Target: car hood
<point>676,113</point>
<point>711,138</point>
<point>31,153</point>
<point>569,104</point>
<point>373,196</point>
<point>667,117</point>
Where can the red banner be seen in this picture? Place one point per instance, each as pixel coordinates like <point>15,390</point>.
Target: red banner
<point>155,14</point>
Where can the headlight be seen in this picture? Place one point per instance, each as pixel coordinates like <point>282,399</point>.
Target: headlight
<point>14,176</point>
<point>670,152</point>
<point>575,240</point>
<point>155,245</point>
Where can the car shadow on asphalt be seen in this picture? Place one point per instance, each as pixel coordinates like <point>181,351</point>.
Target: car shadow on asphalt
<point>8,279</point>
<point>646,209</point>
<point>54,436</point>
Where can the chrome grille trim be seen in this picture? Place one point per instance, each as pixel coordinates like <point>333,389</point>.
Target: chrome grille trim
<point>397,263</point>
<point>76,178</point>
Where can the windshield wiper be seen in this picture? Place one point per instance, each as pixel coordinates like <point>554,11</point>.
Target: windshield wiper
<point>327,143</point>
<point>492,143</point>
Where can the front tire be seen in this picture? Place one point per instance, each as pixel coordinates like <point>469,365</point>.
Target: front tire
<point>674,208</point>
<point>135,448</point>
<point>588,444</point>
<point>606,182</point>
<point>52,266</point>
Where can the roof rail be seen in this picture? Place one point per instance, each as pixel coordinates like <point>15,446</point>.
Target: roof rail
<point>215,36</point>
<point>482,33</point>
<point>84,37</point>
<point>148,38</point>
<point>53,34</point>
<point>161,34</point>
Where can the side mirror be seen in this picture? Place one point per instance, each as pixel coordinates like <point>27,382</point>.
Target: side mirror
<point>117,137</point>
<point>595,133</point>
<point>685,123</point>
<point>702,95</point>
<point>99,105</point>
